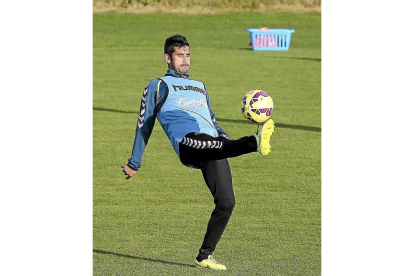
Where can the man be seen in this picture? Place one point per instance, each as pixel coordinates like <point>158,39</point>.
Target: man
<point>182,106</point>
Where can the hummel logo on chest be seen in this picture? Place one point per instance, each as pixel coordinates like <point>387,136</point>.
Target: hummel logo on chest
<point>189,87</point>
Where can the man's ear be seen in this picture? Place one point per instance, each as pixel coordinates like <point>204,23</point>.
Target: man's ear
<point>167,58</point>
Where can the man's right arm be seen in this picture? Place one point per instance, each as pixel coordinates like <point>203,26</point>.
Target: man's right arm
<point>145,125</point>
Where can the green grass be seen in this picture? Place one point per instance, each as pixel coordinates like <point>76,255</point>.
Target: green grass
<point>154,223</point>
<point>246,4</point>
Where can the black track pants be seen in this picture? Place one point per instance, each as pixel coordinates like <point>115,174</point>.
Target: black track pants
<point>210,154</point>
<point>196,148</point>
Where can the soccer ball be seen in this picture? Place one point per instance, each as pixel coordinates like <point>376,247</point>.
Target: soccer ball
<point>257,106</point>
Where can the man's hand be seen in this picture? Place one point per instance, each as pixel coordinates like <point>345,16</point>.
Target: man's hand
<point>225,136</point>
<point>128,171</point>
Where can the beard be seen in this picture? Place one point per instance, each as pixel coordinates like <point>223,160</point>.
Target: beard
<point>181,69</point>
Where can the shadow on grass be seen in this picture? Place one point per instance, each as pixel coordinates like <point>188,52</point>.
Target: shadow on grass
<point>139,258</point>
<point>114,110</point>
<point>307,128</point>
<point>241,121</point>
<point>300,58</point>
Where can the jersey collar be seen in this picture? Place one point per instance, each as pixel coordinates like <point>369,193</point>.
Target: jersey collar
<point>173,73</point>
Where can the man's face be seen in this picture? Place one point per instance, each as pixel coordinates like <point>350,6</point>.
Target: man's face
<point>180,60</point>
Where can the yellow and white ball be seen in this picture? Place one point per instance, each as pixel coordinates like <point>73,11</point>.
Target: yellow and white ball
<point>257,106</point>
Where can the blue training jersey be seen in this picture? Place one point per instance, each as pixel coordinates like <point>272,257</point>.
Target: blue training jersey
<point>181,105</point>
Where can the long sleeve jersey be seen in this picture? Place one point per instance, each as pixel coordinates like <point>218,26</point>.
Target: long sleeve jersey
<point>181,105</point>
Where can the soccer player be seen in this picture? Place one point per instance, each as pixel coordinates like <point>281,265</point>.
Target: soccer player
<point>182,106</point>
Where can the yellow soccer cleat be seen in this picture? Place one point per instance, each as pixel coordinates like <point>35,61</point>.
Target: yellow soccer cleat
<point>263,140</point>
<point>210,263</point>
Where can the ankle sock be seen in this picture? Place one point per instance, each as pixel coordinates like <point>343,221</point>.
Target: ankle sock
<point>201,257</point>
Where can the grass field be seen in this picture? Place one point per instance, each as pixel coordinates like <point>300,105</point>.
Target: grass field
<point>154,223</point>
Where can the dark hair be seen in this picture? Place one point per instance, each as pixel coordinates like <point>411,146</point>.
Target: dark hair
<point>174,41</point>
